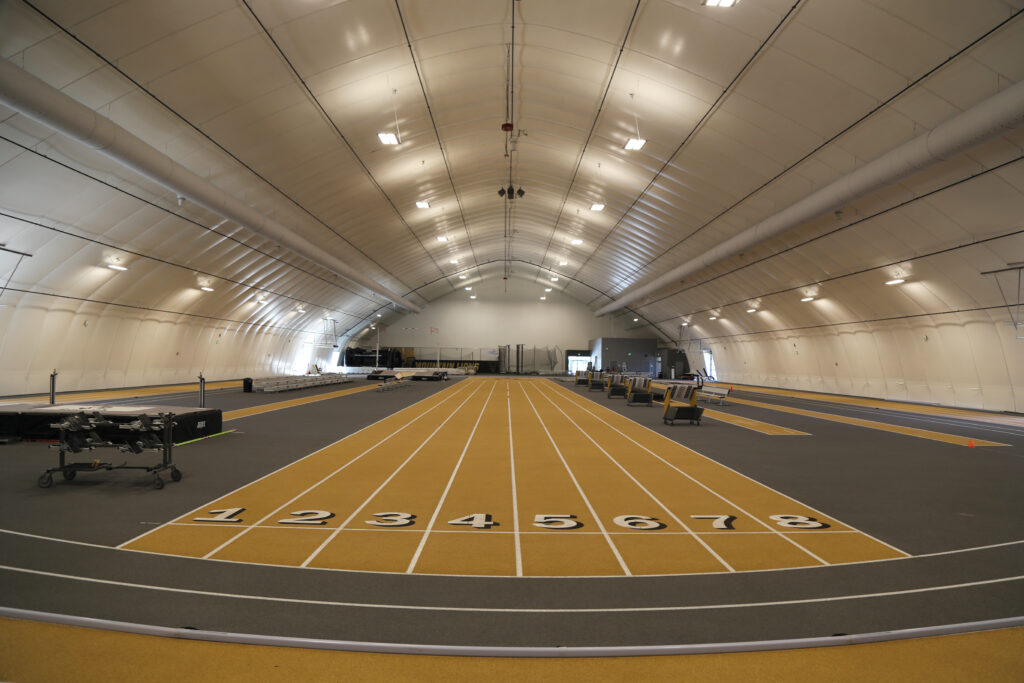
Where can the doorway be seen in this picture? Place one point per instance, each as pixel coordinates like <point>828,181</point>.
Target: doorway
<point>709,364</point>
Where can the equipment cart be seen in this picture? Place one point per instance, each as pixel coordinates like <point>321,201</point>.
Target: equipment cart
<point>87,432</point>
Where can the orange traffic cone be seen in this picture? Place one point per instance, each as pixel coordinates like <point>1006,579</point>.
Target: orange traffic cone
<point>970,444</point>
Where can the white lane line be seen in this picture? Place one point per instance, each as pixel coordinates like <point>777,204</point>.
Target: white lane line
<point>701,484</point>
<point>675,443</point>
<point>454,391</point>
<point>586,501</point>
<point>643,488</point>
<point>279,509</point>
<point>513,610</point>
<point>387,481</point>
<point>448,486</point>
<point>512,466</point>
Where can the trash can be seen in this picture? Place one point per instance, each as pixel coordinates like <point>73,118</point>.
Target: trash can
<point>247,384</point>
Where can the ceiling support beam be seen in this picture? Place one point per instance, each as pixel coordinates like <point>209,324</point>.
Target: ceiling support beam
<point>999,113</point>
<point>44,104</point>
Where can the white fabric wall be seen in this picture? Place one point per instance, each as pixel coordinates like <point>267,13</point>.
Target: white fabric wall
<point>93,347</point>
<point>968,360</point>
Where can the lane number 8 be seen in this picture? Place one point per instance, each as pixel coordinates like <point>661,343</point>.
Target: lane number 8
<point>797,522</point>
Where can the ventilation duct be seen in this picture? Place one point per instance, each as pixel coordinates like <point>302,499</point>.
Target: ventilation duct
<point>1000,112</point>
<point>45,104</point>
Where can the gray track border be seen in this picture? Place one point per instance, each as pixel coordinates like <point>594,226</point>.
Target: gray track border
<point>518,652</point>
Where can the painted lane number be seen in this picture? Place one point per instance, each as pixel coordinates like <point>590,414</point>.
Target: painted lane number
<point>308,517</point>
<point>482,520</point>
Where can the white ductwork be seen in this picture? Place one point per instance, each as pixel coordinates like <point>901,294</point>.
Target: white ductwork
<point>998,113</point>
<point>41,102</point>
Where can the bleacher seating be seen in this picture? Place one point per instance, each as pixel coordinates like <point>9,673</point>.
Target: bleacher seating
<point>273,384</point>
<point>709,393</point>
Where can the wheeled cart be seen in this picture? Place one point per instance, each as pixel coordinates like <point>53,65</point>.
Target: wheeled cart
<point>84,432</point>
<point>684,409</point>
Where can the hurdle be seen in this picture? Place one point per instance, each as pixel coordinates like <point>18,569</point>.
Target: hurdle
<point>582,378</point>
<point>686,409</point>
<point>638,390</point>
<point>596,382</point>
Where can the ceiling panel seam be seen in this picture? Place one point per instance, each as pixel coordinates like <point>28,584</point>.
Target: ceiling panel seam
<point>208,137</point>
<point>824,144</point>
<point>836,230</point>
<point>159,310</point>
<point>593,127</point>
<point>920,257</point>
<point>188,220</point>
<point>191,269</point>
<point>347,144</point>
<point>437,134</point>
<point>894,318</point>
<point>726,91</point>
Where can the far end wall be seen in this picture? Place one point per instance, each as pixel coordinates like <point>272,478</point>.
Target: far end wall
<point>503,315</point>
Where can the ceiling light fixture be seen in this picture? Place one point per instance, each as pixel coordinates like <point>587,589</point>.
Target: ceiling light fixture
<point>543,298</point>
<point>597,207</point>
<point>563,263</point>
<point>636,320</point>
<point>897,281</point>
<point>442,238</point>
<point>206,289</point>
<point>576,242</point>
<point>554,279</point>
<point>422,205</point>
<point>686,324</point>
<point>719,3</point>
<point>114,266</point>
<point>751,310</point>
<point>468,288</point>
<point>635,143</point>
<point>463,277</point>
<point>378,315</point>
<point>547,289</point>
<point>807,298</point>
<point>388,138</point>
<point>472,296</point>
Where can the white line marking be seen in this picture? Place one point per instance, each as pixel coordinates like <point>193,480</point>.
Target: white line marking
<point>502,576</point>
<point>701,484</point>
<point>448,486</point>
<point>278,510</point>
<point>512,466</point>
<point>676,443</point>
<point>513,610</point>
<point>650,495</point>
<point>366,502</point>
<point>586,501</point>
<point>454,391</point>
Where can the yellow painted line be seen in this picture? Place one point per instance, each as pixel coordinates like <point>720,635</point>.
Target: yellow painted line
<point>125,393</point>
<point>752,424</point>
<point>996,418</point>
<point>280,405</point>
<point>871,424</point>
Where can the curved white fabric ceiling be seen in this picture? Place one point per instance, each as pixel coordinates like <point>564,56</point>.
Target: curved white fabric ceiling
<point>744,110</point>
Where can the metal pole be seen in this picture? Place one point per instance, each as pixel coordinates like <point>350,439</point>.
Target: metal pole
<point>202,391</point>
<point>438,356</point>
<point>376,355</point>
<point>53,387</point>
